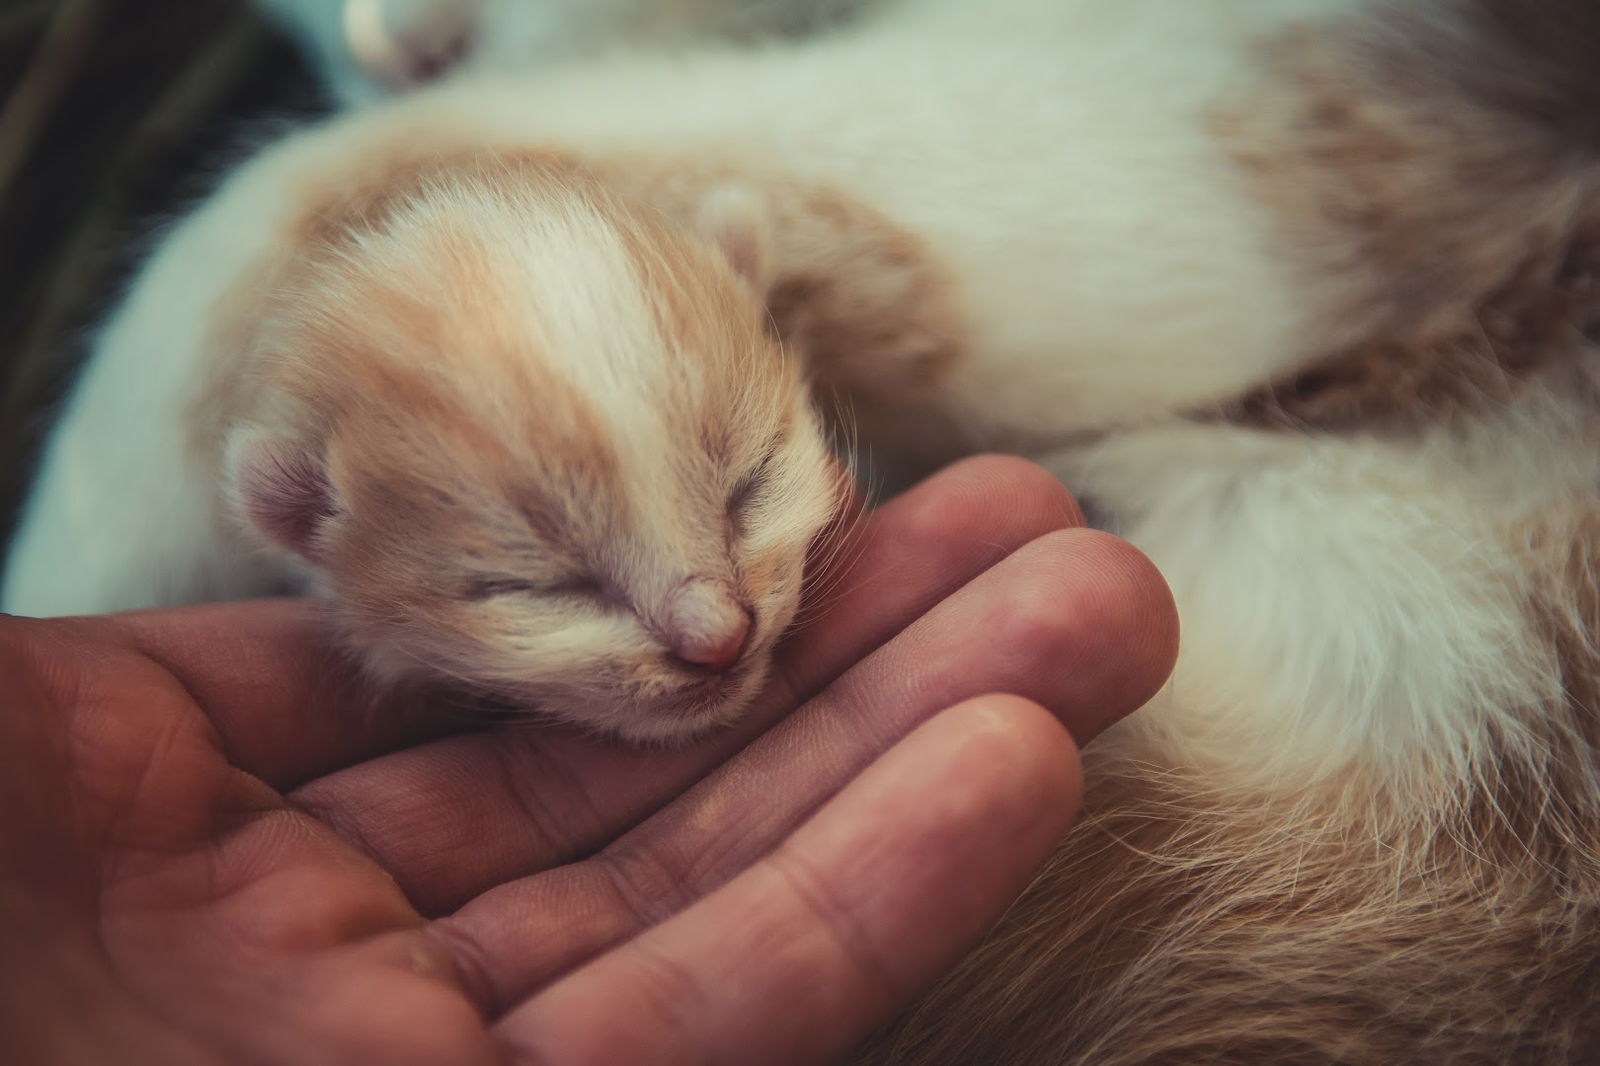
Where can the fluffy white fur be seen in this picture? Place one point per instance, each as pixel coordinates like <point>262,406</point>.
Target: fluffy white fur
<point>1347,602</point>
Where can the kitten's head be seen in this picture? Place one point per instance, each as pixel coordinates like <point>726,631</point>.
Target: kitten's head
<point>544,450</point>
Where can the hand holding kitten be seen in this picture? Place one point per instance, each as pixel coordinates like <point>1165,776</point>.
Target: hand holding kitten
<point>214,858</point>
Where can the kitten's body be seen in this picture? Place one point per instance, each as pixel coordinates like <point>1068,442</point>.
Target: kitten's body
<point>1363,823</point>
<point>879,263</point>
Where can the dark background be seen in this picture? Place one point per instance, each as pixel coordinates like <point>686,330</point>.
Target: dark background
<point>114,114</point>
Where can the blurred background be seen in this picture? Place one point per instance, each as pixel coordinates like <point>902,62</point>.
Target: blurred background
<point>114,114</point>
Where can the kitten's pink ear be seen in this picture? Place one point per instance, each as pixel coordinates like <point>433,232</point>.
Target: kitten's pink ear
<point>282,488</point>
<point>737,218</point>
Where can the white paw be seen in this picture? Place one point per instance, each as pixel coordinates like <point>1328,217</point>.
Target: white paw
<point>405,43</point>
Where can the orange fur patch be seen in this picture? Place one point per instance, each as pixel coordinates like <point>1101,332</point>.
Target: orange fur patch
<point>869,307</point>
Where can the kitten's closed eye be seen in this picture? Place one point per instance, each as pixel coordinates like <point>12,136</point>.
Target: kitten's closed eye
<point>487,588</point>
<point>748,489</point>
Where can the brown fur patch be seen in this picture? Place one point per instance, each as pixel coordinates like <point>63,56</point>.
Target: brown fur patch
<point>1179,927</point>
<point>1409,173</point>
<point>866,303</point>
<point>1538,319</point>
<point>863,297</point>
<point>717,330</point>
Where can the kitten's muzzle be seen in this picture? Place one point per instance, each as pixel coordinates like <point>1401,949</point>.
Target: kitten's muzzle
<point>707,625</point>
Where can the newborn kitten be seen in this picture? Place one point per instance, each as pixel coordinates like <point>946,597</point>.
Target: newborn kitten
<point>1306,307</point>
<point>365,49</point>
<point>527,438</point>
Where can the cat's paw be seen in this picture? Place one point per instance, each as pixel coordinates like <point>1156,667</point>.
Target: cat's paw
<point>405,43</point>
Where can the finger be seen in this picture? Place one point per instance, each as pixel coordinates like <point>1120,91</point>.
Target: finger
<point>286,703</point>
<point>1077,621</point>
<point>451,819</point>
<point>868,903</point>
<point>946,516</point>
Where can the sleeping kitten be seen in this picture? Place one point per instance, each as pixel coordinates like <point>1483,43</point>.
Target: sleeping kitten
<point>1306,306</point>
<point>603,518</point>
<point>365,49</point>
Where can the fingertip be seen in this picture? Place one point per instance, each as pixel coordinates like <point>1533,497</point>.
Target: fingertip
<point>1021,744</point>
<point>1136,637</point>
<point>1090,612</point>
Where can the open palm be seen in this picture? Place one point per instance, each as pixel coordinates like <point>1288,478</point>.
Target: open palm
<point>214,849</point>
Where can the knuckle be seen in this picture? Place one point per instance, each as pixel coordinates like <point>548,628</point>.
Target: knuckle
<point>825,911</point>
<point>470,966</point>
<point>648,881</point>
<point>533,778</point>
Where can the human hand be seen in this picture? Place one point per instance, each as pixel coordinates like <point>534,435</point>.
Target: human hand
<point>212,851</point>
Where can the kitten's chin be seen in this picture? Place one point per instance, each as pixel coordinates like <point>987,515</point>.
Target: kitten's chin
<point>665,720</point>
<point>657,715</point>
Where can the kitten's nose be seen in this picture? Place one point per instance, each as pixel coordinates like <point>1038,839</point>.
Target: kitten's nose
<point>707,625</point>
